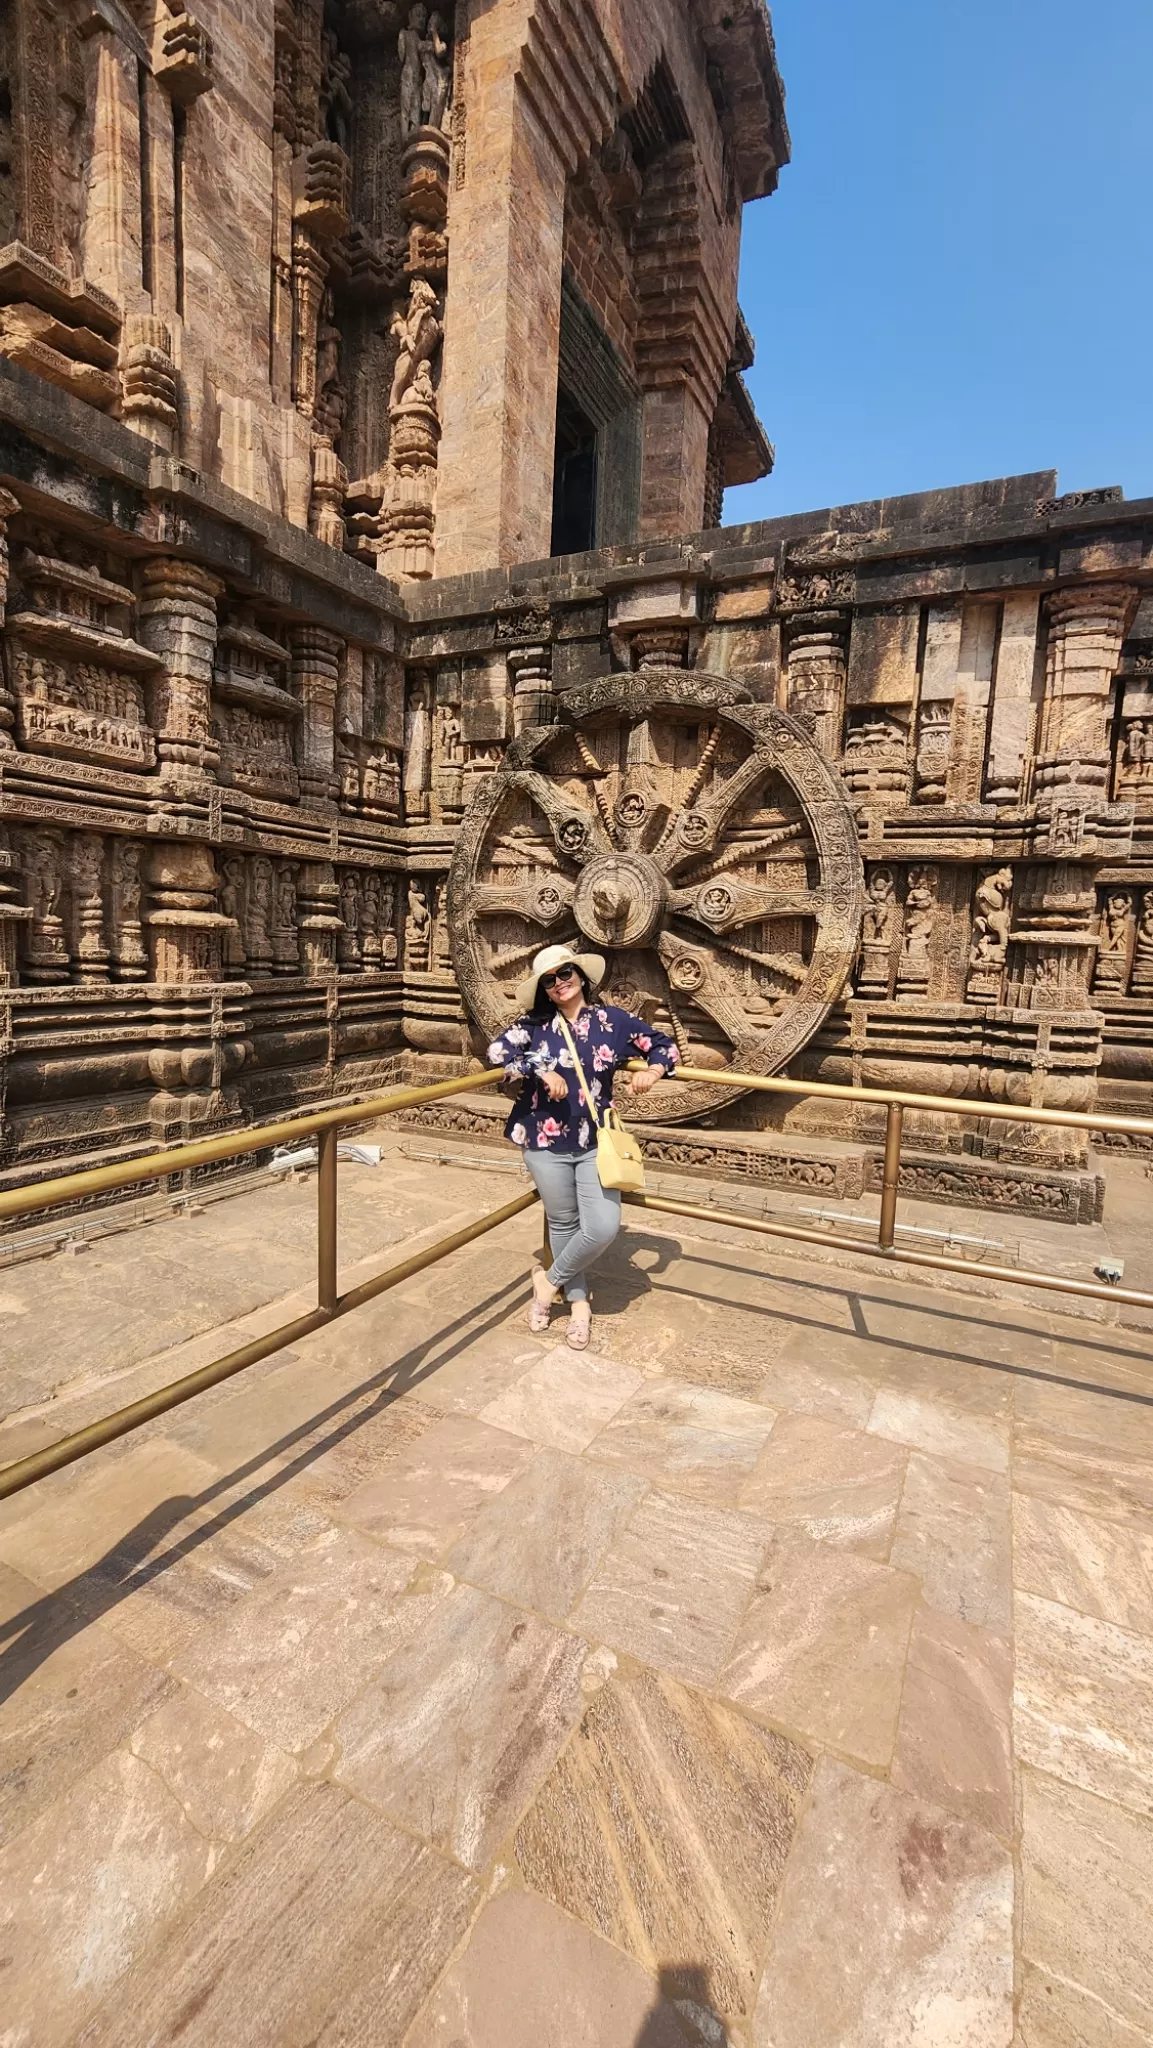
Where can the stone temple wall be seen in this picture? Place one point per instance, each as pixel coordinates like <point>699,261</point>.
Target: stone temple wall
<point>275,829</point>
<point>306,745</point>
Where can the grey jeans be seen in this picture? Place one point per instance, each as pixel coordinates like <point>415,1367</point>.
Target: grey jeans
<point>583,1217</point>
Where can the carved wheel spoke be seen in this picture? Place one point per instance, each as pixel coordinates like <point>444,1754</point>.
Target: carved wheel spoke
<point>698,842</point>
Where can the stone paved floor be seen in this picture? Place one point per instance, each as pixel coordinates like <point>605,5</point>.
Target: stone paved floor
<point>779,1672</point>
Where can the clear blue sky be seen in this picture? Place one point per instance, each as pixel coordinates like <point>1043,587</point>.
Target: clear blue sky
<point>954,279</point>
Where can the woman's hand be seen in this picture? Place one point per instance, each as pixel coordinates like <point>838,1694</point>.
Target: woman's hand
<point>640,1083</point>
<point>556,1085</point>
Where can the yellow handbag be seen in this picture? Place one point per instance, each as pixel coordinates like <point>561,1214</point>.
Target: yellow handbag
<point>620,1161</point>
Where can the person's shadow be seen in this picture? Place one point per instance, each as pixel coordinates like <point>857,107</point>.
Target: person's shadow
<point>685,2016</point>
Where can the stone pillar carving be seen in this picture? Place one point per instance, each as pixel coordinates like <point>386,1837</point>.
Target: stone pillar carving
<point>148,380</point>
<point>184,924</point>
<point>815,675</point>
<point>1086,629</point>
<point>112,215</point>
<point>14,915</point>
<point>1053,937</point>
<point>178,621</point>
<point>316,678</point>
<point>319,922</point>
<point>90,951</point>
<point>530,673</point>
<point>389,943</point>
<point>9,506</point>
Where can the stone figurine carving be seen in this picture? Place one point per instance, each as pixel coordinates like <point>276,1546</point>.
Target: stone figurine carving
<point>129,953</point>
<point>232,905</point>
<point>879,929</point>
<point>417,333</point>
<point>388,941</point>
<point>1112,969</point>
<point>425,72</point>
<point>920,912</point>
<point>418,930</point>
<point>1143,948</point>
<point>410,48</point>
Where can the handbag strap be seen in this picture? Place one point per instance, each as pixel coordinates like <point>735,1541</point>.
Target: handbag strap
<point>592,1108</point>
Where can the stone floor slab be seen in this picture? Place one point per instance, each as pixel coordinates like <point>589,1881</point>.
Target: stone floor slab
<point>539,1542</point>
<point>225,1778</point>
<point>1078,1473</point>
<point>84,1889</point>
<point>1087,1910</point>
<point>359,1447</point>
<point>954,1738</point>
<point>666,1827</point>
<point>1083,1701</point>
<point>125,1508</point>
<point>672,1589</point>
<point>457,1731</point>
<point>894,1930</point>
<point>693,1439</point>
<point>294,1651</point>
<point>461,1376</point>
<point>822,1648</point>
<point>839,1485</point>
<point>437,1486</point>
<point>1101,1567</point>
<point>532,1978</point>
<point>564,1398</point>
<point>330,1927</point>
<point>937,1426</point>
<point>953,1531</point>
<point>68,1696</point>
<point>811,1376</point>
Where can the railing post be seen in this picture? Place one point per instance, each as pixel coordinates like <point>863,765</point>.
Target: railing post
<point>890,1177</point>
<point>327,1142</point>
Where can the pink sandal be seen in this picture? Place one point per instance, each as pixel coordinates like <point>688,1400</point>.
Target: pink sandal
<point>538,1310</point>
<point>578,1334</point>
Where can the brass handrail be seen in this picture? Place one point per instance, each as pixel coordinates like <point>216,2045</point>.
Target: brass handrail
<point>327,1123</point>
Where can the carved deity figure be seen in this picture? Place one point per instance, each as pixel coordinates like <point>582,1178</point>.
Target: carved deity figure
<point>232,904</point>
<point>1143,948</point>
<point>417,333</point>
<point>881,909</point>
<point>259,914</point>
<point>878,930</point>
<point>1112,969</point>
<point>335,98</point>
<point>436,64</point>
<point>920,911</point>
<point>348,938</point>
<point>418,930</point>
<point>451,748</point>
<point>388,940</point>
<point>410,48</point>
<point>991,923</point>
<point>370,921</point>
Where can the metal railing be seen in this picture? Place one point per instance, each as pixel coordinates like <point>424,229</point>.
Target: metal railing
<point>326,1124</point>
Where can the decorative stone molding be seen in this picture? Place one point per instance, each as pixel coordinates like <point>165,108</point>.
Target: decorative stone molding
<point>178,624</point>
<point>181,56</point>
<point>149,380</point>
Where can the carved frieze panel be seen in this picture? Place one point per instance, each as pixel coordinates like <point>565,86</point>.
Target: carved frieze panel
<point>77,672</point>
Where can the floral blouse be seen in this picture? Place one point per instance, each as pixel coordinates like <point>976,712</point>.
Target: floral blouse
<point>606,1038</point>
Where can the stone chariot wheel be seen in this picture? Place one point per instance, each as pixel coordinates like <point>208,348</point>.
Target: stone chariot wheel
<point>696,839</point>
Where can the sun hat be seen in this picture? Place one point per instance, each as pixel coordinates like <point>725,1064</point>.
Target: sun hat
<point>591,965</point>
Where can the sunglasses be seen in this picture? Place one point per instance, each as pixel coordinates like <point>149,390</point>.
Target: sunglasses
<point>562,974</point>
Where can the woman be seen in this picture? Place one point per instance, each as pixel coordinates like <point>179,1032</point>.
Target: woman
<point>554,1123</point>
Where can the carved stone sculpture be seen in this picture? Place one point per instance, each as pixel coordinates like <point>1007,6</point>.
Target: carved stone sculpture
<point>232,903</point>
<point>418,334</point>
<point>989,950</point>
<point>285,936</point>
<point>920,912</point>
<point>129,952</point>
<point>389,947</point>
<point>417,930</point>
<point>258,908</point>
<point>89,946</point>
<point>349,953</point>
<point>46,957</point>
<point>881,922</point>
<point>1112,969</point>
<point>1142,981</point>
<point>436,64</point>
